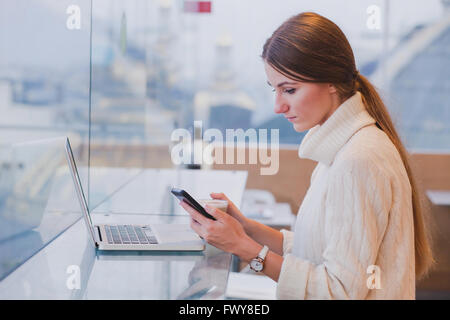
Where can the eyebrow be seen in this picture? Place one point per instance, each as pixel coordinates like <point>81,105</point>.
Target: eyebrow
<point>282,83</point>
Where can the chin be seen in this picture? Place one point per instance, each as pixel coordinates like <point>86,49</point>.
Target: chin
<point>300,127</point>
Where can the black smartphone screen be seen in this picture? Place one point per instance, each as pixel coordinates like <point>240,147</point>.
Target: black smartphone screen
<point>183,195</point>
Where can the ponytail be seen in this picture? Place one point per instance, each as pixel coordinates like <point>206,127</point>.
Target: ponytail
<point>376,108</point>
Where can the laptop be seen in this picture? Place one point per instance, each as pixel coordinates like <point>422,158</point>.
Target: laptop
<point>152,237</point>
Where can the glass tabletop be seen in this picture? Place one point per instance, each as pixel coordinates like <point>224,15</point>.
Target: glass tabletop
<point>157,275</point>
<point>71,268</point>
<point>47,252</point>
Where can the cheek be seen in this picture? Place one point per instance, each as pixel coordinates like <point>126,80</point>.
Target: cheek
<point>308,104</point>
<point>310,107</point>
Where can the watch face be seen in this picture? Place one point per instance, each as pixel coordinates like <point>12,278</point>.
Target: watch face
<point>256,265</point>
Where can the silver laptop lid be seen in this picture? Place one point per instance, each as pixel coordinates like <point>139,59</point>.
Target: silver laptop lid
<point>79,191</point>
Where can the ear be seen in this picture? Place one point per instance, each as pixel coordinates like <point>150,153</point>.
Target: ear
<point>331,88</point>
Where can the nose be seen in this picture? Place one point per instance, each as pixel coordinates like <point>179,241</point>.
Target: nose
<point>280,104</point>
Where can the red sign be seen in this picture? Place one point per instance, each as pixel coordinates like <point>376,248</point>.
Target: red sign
<point>197,6</point>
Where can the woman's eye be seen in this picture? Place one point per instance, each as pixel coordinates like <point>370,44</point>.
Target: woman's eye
<point>290,91</point>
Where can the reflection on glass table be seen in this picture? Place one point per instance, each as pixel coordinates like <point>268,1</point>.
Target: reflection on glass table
<point>157,275</point>
<point>205,276</point>
<point>36,200</point>
<point>70,268</point>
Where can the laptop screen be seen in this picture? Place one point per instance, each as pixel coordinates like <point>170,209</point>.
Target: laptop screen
<point>79,189</point>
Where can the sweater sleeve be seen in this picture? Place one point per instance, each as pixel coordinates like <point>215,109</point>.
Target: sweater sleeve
<point>288,240</point>
<point>357,205</point>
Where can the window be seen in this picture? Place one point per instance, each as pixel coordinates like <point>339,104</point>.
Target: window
<point>146,67</point>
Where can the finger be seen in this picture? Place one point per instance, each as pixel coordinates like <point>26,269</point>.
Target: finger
<point>216,213</point>
<point>219,196</point>
<point>222,196</point>
<point>197,227</point>
<point>194,213</point>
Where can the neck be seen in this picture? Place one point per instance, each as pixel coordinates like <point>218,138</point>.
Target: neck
<point>336,101</point>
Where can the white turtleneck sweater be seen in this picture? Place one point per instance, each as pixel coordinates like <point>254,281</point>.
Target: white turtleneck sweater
<point>355,224</point>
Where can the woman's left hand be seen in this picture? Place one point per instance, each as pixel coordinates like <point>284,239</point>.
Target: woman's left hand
<point>225,233</point>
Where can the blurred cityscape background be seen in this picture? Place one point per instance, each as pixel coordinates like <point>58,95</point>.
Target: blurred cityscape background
<point>127,73</point>
<point>118,76</point>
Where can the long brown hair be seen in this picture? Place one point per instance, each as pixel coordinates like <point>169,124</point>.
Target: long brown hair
<point>309,47</point>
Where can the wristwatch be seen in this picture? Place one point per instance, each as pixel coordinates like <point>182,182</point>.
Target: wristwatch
<point>257,264</point>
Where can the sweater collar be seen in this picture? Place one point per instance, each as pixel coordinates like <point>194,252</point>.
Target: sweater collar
<point>323,142</point>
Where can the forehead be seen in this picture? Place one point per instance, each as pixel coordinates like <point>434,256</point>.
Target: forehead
<point>274,76</point>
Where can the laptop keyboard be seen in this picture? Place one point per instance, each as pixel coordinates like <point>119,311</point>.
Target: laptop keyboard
<point>128,234</point>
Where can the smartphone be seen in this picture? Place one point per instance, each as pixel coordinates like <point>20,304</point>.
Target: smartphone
<point>183,195</point>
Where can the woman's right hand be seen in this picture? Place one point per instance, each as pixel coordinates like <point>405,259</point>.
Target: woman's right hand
<point>232,209</point>
<point>257,231</point>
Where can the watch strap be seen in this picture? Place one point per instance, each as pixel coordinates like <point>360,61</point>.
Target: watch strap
<point>262,254</point>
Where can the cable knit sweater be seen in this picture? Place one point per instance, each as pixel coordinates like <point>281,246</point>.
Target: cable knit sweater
<point>355,225</point>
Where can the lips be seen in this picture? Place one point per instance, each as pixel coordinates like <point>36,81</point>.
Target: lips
<point>290,118</point>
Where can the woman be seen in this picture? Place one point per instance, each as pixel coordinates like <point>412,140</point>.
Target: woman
<point>361,214</point>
